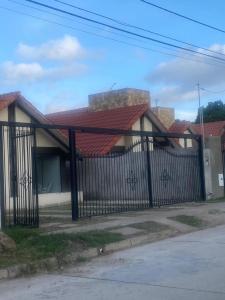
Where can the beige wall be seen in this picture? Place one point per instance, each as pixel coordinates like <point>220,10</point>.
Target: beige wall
<point>43,138</point>
<point>127,141</point>
<point>4,115</point>
<point>21,116</point>
<point>165,114</point>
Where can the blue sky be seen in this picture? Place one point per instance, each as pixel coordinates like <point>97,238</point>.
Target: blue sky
<point>57,67</point>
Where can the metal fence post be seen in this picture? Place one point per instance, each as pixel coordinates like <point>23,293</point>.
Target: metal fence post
<point>35,178</point>
<point>202,167</point>
<point>73,175</point>
<point>150,194</point>
<point>13,175</point>
<point>2,190</point>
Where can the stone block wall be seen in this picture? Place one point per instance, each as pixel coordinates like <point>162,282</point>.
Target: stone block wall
<point>118,98</point>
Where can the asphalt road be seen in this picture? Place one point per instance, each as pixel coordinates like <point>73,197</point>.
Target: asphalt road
<point>187,267</point>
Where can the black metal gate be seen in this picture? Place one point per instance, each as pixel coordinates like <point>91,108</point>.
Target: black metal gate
<point>145,175</point>
<point>18,186</point>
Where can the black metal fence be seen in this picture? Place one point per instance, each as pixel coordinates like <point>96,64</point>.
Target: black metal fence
<point>150,170</point>
<point>145,175</point>
<point>18,189</point>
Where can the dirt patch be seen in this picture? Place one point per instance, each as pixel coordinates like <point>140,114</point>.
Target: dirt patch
<point>189,220</point>
<point>216,212</point>
<point>150,226</point>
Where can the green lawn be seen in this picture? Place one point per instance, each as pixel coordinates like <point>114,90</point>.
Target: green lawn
<point>32,245</point>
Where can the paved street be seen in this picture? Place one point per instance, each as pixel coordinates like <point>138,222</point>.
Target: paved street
<point>187,267</point>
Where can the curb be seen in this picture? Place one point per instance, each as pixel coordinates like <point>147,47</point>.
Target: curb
<point>58,263</point>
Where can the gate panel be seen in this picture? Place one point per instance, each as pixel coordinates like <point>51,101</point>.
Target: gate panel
<point>144,176</point>
<point>113,183</point>
<point>19,176</point>
<point>175,176</point>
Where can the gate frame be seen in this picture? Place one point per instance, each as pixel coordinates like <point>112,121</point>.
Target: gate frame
<point>72,130</point>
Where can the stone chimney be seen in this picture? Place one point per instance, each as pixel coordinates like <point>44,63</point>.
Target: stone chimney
<point>118,98</point>
<point>165,114</point>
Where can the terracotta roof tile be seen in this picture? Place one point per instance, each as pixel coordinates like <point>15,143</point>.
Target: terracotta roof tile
<point>211,128</point>
<point>7,99</point>
<point>180,127</point>
<point>119,118</point>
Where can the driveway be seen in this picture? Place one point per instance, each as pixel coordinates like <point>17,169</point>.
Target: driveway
<point>191,266</point>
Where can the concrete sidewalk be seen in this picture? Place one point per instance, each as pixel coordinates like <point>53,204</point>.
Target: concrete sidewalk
<point>142,222</point>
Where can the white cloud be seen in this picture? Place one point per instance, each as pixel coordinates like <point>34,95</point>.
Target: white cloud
<point>66,49</point>
<point>177,78</point>
<point>12,73</point>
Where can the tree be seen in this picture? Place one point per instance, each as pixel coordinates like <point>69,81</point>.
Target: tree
<point>214,111</point>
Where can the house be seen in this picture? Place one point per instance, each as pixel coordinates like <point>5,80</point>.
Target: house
<point>214,137</point>
<point>183,127</point>
<point>126,109</point>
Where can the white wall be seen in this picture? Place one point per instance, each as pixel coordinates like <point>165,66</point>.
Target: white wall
<point>188,141</point>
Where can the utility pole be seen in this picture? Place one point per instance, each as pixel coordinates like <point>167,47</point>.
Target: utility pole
<point>201,116</point>
<point>201,144</point>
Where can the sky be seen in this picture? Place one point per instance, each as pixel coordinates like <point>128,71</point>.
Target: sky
<point>56,67</point>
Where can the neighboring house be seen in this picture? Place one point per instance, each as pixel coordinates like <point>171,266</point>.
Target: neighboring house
<point>51,150</point>
<point>183,127</point>
<point>214,146</point>
<point>210,129</point>
<point>214,137</point>
<point>126,109</point>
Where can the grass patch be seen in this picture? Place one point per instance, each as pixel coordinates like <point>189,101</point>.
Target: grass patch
<point>150,226</point>
<point>32,245</point>
<point>188,220</point>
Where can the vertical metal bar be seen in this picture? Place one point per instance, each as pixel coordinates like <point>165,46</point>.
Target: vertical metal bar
<point>202,167</point>
<point>73,175</point>
<point>13,178</point>
<point>35,180</point>
<point>2,176</point>
<point>150,194</point>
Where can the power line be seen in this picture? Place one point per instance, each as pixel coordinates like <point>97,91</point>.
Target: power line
<point>183,16</point>
<point>136,27</point>
<point>89,25</point>
<point>104,37</point>
<point>98,28</point>
<point>187,58</point>
<point>123,30</point>
<point>212,92</point>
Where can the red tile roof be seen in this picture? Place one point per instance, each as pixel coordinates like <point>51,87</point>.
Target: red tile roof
<point>7,99</point>
<point>211,128</point>
<point>118,118</point>
<point>180,127</point>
